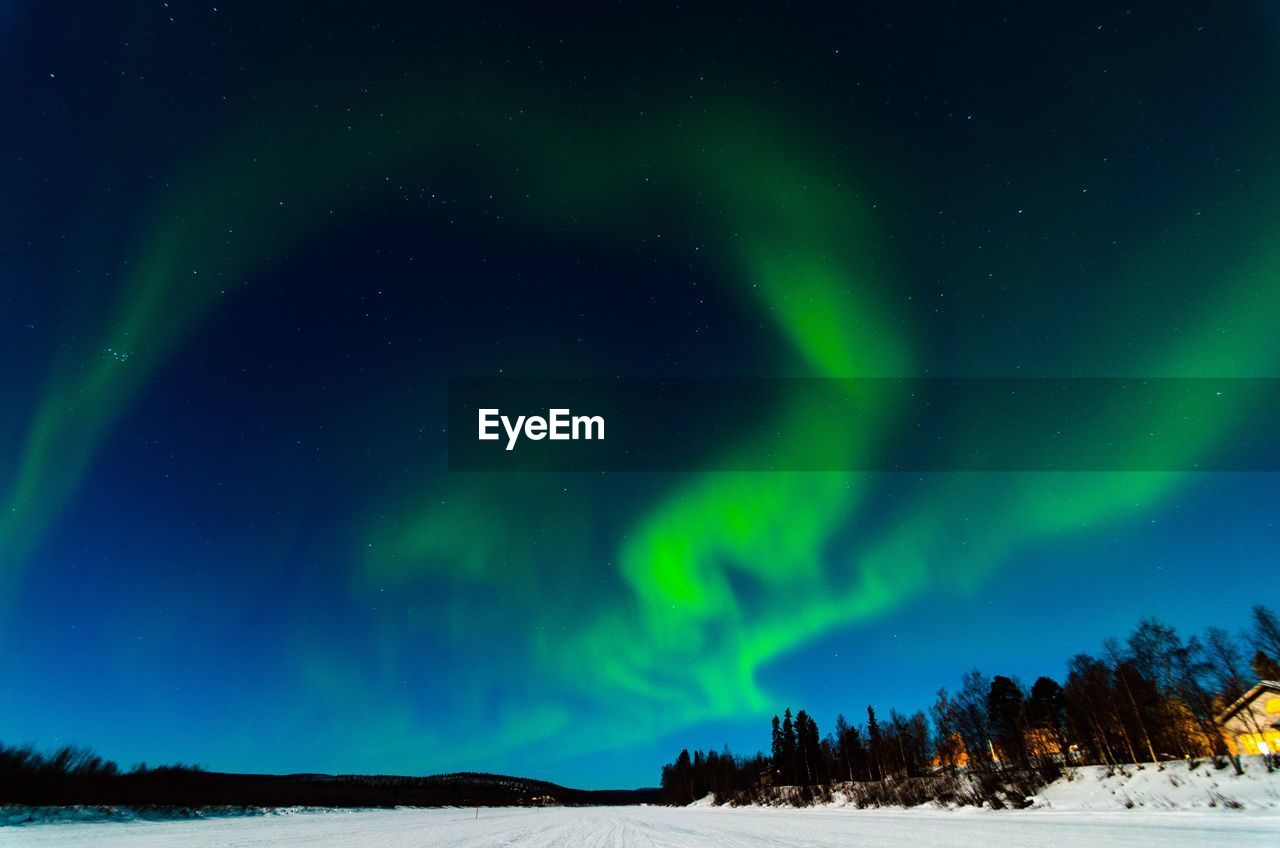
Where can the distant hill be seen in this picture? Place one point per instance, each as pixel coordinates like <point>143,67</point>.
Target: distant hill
<point>75,776</point>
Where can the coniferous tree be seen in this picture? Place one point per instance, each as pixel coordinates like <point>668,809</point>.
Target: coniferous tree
<point>813,745</point>
<point>843,752</point>
<point>813,741</point>
<point>876,743</point>
<point>777,747</point>
<point>1006,713</point>
<point>684,772</point>
<point>1047,719</point>
<point>830,765</point>
<point>788,748</point>
<point>921,761</point>
<point>677,780</point>
<point>806,748</point>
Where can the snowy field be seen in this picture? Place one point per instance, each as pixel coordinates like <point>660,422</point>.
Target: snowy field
<point>1172,806</point>
<point>659,827</point>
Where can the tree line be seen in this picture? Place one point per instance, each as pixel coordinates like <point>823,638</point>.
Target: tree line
<point>76,776</point>
<point>1152,697</point>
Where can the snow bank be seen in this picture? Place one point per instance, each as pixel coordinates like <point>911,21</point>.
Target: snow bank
<point>1174,787</point>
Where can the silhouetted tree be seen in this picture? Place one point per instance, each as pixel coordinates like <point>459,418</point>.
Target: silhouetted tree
<point>1265,667</point>
<point>1090,702</point>
<point>1266,632</point>
<point>913,742</point>
<point>876,743</point>
<point>971,719</point>
<point>1179,670</point>
<point>1138,695</point>
<point>948,744</point>
<point>1047,718</point>
<point>843,754</point>
<point>677,784</point>
<point>807,748</point>
<point>1154,697</point>
<point>789,770</point>
<point>1226,664</point>
<point>1007,718</point>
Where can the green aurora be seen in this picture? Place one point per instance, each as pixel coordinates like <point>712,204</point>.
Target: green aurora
<point>712,576</point>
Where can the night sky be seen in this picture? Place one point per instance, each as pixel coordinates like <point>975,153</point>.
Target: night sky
<point>244,248</point>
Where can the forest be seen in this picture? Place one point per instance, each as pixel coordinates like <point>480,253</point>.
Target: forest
<point>1147,699</point>
<point>76,776</point>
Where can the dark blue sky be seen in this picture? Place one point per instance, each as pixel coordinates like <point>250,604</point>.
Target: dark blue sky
<point>243,250</point>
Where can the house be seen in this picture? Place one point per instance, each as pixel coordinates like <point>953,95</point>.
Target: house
<point>771,776</point>
<point>1042,745</point>
<point>1252,723</point>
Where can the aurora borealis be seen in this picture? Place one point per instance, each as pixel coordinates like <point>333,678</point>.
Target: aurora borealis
<point>244,251</point>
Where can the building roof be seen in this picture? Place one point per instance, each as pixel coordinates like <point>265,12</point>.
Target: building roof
<point>1254,691</point>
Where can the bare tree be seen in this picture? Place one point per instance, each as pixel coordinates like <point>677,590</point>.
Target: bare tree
<point>1226,663</point>
<point>1123,670</point>
<point>1266,632</point>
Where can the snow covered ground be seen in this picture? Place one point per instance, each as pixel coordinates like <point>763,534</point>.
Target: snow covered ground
<point>1172,787</point>
<point>1174,806</point>
<point>661,827</point>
